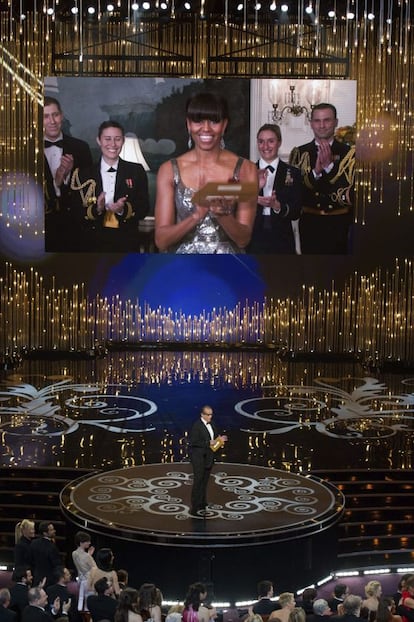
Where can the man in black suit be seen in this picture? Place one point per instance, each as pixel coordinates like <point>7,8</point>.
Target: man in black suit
<point>38,609</point>
<point>45,554</point>
<point>328,169</point>
<point>264,606</point>
<point>102,606</point>
<point>321,609</point>
<point>59,590</point>
<point>340,592</point>
<point>280,199</point>
<point>112,196</point>
<point>203,442</point>
<point>62,154</point>
<point>22,577</point>
<point>351,608</point>
<point>6,614</point>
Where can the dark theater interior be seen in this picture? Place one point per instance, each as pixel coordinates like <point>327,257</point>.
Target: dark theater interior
<point>306,358</point>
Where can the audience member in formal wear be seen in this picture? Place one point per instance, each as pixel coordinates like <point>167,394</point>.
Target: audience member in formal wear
<point>328,170</point>
<point>308,597</point>
<point>280,197</point>
<point>405,607</point>
<point>149,605</point>
<point>321,609</point>
<point>287,605</point>
<point>373,591</point>
<point>60,590</point>
<point>203,440</point>
<point>351,608</point>
<point>112,196</point>
<point>128,606</point>
<point>215,224</point>
<point>194,608</point>
<point>62,154</point>
<point>104,568</point>
<point>83,559</point>
<point>39,610</point>
<point>22,578</point>
<point>45,554</point>
<point>401,587</point>
<point>339,594</point>
<point>386,610</point>
<point>6,614</point>
<point>264,605</point>
<point>24,534</point>
<point>102,605</point>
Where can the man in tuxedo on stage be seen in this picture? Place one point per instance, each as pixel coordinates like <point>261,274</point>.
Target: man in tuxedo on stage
<point>328,169</point>
<point>280,199</point>
<point>112,196</point>
<point>62,154</point>
<point>204,441</point>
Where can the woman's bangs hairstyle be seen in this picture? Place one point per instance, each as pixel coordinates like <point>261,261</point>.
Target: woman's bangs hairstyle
<point>207,106</point>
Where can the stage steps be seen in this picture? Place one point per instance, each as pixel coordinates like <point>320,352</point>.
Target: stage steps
<point>33,493</point>
<point>377,527</point>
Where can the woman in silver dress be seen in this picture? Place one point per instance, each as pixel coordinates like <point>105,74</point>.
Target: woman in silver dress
<point>218,224</point>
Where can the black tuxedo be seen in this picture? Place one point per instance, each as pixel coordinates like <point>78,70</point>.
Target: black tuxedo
<point>334,602</point>
<point>36,614</point>
<point>61,591</point>
<point>265,606</point>
<point>95,236</point>
<point>59,231</point>
<point>18,598</point>
<point>45,559</point>
<point>7,615</point>
<point>22,555</point>
<point>274,233</point>
<point>327,200</point>
<point>101,607</point>
<point>202,460</point>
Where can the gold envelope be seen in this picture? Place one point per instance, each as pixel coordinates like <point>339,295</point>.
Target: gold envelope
<point>234,190</point>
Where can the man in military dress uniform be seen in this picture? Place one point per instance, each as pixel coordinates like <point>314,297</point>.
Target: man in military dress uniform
<point>328,168</point>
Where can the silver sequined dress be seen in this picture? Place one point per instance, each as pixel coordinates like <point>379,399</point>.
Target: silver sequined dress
<point>208,237</point>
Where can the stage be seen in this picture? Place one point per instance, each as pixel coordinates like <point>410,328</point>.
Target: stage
<point>125,417</point>
<point>247,505</point>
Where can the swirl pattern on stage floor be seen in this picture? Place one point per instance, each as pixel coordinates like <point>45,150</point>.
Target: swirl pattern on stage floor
<point>246,504</point>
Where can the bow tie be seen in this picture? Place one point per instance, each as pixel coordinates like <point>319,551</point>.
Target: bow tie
<point>111,170</point>
<point>58,143</point>
<point>270,168</point>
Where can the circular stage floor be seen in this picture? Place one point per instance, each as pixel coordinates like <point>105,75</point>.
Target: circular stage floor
<point>247,505</point>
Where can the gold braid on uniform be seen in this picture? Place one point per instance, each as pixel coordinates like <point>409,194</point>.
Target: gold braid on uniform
<point>346,167</point>
<point>89,197</point>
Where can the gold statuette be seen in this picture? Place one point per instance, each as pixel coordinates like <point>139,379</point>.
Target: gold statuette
<point>217,444</point>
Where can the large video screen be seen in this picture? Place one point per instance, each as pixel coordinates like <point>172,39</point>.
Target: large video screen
<point>126,170</point>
